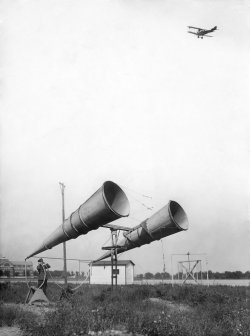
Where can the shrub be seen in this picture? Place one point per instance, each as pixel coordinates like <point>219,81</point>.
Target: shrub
<point>11,315</point>
<point>8,315</point>
<point>213,311</point>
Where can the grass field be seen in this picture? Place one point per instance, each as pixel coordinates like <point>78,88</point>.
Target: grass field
<point>135,310</point>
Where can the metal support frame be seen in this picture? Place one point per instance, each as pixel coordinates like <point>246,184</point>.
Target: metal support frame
<point>113,251</point>
<point>189,271</point>
<point>114,258</point>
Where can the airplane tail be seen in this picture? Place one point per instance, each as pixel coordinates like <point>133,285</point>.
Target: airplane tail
<point>215,27</point>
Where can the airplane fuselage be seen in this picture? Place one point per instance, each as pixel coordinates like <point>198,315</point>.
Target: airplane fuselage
<point>204,32</point>
<point>201,32</point>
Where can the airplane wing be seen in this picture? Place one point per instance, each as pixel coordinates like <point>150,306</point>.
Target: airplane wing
<point>208,35</point>
<point>196,28</point>
<point>192,33</point>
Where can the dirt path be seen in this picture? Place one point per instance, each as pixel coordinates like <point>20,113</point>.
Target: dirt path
<point>171,305</point>
<point>38,309</point>
<point>10,331</point>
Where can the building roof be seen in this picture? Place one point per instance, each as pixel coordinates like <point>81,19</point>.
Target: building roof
<point>21,263</point>
<point>108,263</point>
<point>4,260</point>
<point>15,262</point>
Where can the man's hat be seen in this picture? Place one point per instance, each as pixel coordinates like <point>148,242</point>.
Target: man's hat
<point>40,260</point>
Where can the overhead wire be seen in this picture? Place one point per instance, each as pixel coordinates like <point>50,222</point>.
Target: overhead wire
<point>143,204</point>
<point>143,195</point>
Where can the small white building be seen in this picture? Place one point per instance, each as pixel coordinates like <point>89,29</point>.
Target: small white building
<point>100,272</point>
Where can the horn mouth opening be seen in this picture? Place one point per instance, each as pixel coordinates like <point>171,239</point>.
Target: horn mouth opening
<point>178,215</point>
<point>116,199</point>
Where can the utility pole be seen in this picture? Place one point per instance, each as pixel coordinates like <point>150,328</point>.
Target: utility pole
<point>163,258</point>
<point>188,254</point>
<point>62,186</point>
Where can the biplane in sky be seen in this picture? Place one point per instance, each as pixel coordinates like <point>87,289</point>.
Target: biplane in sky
<point>200,32</point>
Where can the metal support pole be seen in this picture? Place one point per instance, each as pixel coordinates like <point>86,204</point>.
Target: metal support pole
<point>172,271</point>
<point>114,259</point>
<point>112,262</point>
<point>113,251</point>
<point>201,271</point>
<point>62,186</point>
<point>207,270</point>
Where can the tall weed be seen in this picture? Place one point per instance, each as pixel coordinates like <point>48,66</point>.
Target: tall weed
<point>212,311</point>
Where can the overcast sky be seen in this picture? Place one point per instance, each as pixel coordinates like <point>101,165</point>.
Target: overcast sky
<point>118,90</point>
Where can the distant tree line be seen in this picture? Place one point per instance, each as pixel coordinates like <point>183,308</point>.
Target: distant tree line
<point>6,273</point>
<point>59,274</point>
<point>229,275</point>
<point>148,276</point>
<point>54,274</point>
<point>211,275</point>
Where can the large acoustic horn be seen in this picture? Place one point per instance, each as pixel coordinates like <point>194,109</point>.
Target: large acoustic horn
<point>106,205</point>
<point>167,221</point>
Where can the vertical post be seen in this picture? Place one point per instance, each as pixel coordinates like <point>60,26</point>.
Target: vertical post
<point>114,238</point>
<point>172,271</point>
<point>207,270</point>
<point>163,259</point>
<point>183,274</point>
<point>188,254</point>
<point>201,270</point>
<point>62,186</point>
<point>112,261</point>
<point>115,258</point>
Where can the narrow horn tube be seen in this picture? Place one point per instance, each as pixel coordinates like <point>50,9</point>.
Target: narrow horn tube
<point>169,220</point>
<point>107,204</point>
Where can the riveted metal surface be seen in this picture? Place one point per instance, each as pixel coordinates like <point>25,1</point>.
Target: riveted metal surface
<point>168,220</point>
<point>107,204</point>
